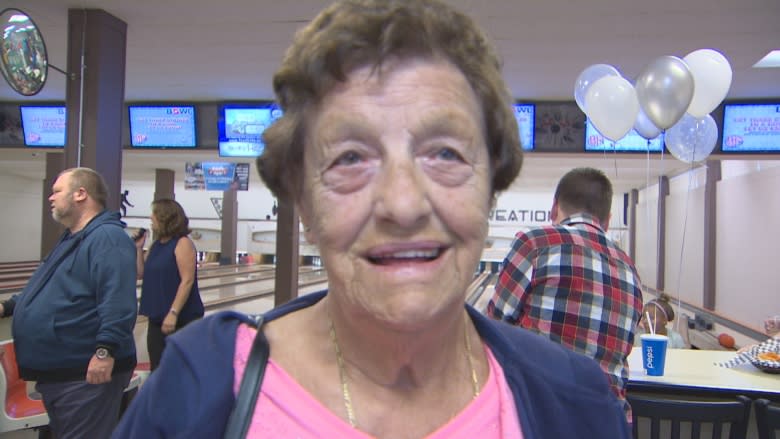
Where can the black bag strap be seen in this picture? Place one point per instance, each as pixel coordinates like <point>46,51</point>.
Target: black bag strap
<point>241,416</point>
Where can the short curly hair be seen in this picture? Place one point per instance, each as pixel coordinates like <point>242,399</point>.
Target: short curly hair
<point>351,34</point>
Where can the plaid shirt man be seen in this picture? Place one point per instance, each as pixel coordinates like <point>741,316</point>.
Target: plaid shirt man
<point>571,283</point>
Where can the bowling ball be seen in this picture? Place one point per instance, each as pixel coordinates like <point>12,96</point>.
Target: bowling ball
<point>726,341</point>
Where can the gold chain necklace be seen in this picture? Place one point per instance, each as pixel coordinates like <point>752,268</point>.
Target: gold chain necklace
<point>343,378</point>
<point>343,375</point>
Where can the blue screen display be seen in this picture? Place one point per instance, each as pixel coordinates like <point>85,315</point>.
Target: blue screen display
<point>524,113</point>
<point>631,142</point>
<point>241,129</point>
<point>158,126</point>
<point>751,128</point>
<point>44,126</point>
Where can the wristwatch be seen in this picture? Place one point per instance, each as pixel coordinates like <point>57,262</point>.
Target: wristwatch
<point>102,353</point>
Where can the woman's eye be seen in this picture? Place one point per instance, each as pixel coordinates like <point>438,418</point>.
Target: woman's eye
<point>448,154</point>
<point>348,158</point>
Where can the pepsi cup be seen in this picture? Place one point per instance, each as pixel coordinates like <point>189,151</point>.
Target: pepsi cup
<point>654,353</point>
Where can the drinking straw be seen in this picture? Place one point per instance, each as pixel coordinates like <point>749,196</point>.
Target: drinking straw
<point>650,322</point>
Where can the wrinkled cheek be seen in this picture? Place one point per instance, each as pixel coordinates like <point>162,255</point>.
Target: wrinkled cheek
<point>345,278</point>
<point>474,232</point>
<point>334,241</point>
<point>470,220</point>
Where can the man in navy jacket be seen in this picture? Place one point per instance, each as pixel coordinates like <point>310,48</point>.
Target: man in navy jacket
<point>73,322</point>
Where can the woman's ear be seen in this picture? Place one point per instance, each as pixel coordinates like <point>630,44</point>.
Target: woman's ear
<point>311,238</point>
<point>307,221</point>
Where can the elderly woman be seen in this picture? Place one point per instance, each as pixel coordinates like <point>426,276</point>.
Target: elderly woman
<point>397,133</point>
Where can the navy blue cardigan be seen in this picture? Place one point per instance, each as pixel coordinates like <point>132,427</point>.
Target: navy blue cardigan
<point>558,393</point>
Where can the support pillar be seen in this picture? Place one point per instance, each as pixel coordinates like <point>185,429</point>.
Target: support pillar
<point>95,95</point>
<point>709,284</point>
<point>163,184</point>
<point>663,192</point>
<point>229,227</point>
<point>287,237</point>
<point>50,229</point>
<point>633,200</point>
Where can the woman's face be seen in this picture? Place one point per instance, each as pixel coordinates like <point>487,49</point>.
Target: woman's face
<point>397,190</point>
<point>155,225</point>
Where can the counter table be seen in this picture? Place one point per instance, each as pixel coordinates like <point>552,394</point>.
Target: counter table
<point>691,371</point>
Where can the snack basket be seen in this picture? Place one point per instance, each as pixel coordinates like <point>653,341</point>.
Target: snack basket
<point>766,365</point>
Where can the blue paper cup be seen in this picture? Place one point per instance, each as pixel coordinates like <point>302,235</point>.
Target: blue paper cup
<point>654,353</point>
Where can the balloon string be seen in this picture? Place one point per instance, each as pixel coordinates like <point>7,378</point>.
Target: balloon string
<point>663,147</point>
<point>614,154</point>
<point>649,230</point>
<point>647,204</point>
<point>647,165</point>
<point>682,241</point>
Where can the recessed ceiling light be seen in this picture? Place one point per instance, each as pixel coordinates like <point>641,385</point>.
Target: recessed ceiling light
<point>772,59</point>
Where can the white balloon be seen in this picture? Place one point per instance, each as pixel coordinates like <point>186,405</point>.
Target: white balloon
<point>588,76</point>
<point>612,106</point>
<point>712,77</point>
<point>692,139</point>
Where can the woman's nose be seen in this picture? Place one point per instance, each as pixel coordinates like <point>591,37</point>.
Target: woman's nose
<point>402,195</point>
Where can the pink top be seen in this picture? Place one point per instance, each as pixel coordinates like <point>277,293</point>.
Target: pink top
<point>285,409</point>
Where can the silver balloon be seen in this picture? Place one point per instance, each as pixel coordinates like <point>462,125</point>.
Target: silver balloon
<point>692,140</point>
<point>665,89</point>
<point>645,127</point>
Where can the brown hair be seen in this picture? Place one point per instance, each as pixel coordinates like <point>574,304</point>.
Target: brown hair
<point>585,190</point>
<point>91,181</point>
<point>171,219</point>
<point>662,302</point>
<point>355,33</point>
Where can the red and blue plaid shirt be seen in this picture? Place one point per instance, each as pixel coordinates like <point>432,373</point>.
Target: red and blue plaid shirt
<point>573,284</point>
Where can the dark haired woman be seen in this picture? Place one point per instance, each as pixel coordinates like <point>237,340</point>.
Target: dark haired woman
<point>169,296</point>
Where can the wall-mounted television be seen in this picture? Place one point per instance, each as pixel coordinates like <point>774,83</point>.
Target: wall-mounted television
<point>524,113</point>
<point>631,142</point>
<point>44,126</point>
<point>240,128</point>
<point>751,128</point>
<point>162,126</point>
<point>216,176</point>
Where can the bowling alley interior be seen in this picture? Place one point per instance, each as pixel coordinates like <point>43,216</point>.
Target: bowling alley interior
<point>678,104</point>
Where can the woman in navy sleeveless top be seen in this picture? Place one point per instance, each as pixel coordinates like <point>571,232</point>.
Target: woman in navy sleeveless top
<point>169,296</point>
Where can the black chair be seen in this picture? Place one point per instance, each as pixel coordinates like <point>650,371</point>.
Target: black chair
<point>676,412</point>
<point>767,418</point>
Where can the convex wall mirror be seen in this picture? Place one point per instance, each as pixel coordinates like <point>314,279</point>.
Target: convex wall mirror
<point>23,59</point>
